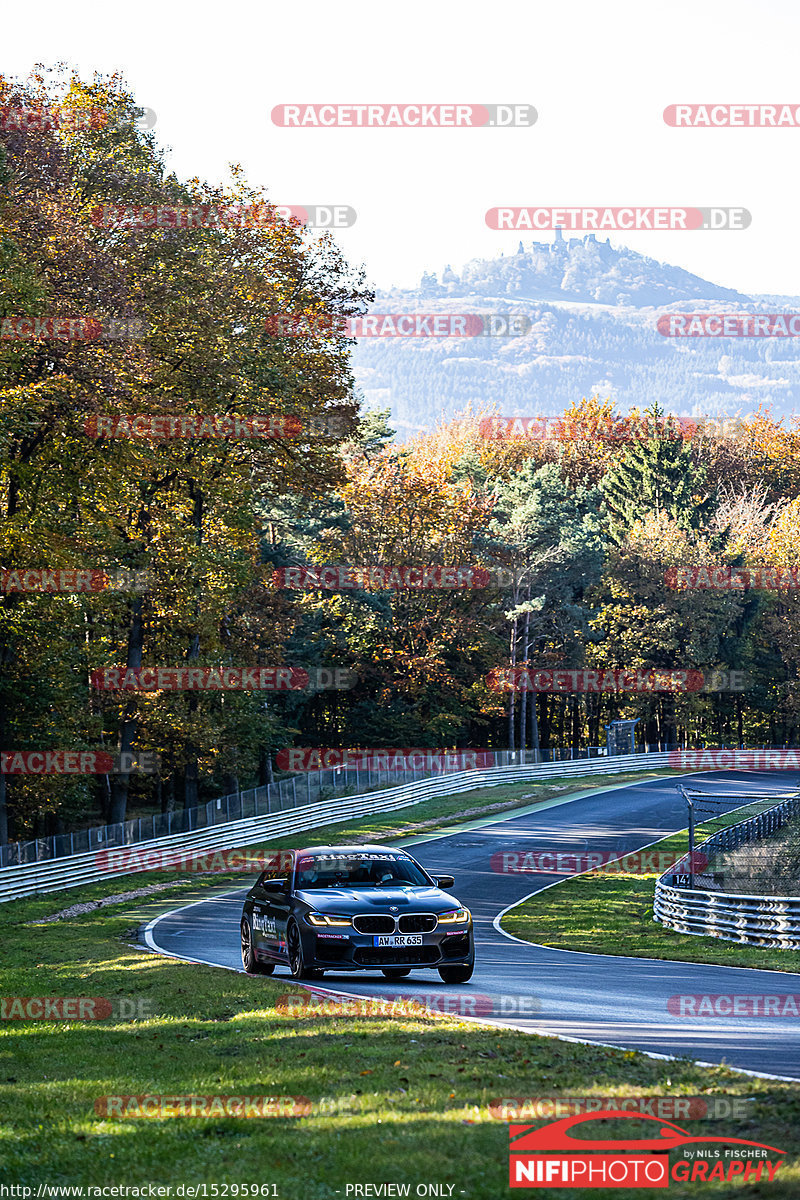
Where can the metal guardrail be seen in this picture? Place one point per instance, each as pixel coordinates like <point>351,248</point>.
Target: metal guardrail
<point>289,793</point>
<point>29,879</point>
<point>705,912</point>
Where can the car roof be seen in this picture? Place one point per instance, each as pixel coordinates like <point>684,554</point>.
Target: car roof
<point>359,848</point>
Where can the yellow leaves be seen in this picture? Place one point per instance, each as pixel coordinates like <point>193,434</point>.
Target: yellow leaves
<point>783,542</point>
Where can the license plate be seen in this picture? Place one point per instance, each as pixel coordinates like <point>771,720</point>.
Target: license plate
<point>397,939</point>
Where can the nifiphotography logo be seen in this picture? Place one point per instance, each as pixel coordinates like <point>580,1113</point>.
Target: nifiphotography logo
<point>631,1162</point>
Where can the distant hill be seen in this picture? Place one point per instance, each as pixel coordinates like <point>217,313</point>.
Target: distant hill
<point>593,310</point>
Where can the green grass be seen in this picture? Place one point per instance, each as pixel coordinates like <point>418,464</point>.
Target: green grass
<point>613,914</point>
<point>402,1100</point>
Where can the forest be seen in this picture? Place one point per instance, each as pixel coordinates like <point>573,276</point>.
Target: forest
<point>157,616</point>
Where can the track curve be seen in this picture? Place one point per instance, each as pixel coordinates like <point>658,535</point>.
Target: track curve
<point>587,997</point>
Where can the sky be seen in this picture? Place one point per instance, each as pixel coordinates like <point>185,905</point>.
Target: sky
<point>599,76</point>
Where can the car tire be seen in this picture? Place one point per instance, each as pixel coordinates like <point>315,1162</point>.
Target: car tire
<point>249,961</point>
<point>456,974</point>
<point>297,964</point>
<point>395,972</point>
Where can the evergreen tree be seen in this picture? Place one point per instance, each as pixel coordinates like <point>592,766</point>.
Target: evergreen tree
<point>374,433</point>
<point>656,474</point>
<point>552,533</point>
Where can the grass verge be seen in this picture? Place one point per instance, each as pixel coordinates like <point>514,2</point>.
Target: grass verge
<point>403,1100</point>
<point>407,1100</point>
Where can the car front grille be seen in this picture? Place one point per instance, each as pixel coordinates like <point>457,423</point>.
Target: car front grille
<point>417,923</point>
<point>386,956</point>
<point>376,924</point>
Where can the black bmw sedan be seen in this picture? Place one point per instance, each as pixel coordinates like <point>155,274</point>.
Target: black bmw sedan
<point>355,908</point>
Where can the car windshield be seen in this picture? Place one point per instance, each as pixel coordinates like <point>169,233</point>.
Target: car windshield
<point>358,870</point>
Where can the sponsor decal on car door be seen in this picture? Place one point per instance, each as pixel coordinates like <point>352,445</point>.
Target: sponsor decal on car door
<point>276,914</point>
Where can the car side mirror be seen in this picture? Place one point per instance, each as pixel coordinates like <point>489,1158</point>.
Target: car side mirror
<point>276,886</point>
<point>444,881</point>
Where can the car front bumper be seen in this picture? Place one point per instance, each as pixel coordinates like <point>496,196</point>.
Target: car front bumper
<point>354,951</point>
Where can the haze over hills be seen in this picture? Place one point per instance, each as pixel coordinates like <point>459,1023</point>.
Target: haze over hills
<point>593,310</point>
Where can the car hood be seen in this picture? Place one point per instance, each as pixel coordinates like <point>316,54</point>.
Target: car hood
<point>349,901</point>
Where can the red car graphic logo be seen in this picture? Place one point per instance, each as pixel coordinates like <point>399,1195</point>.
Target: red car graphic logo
<point>557,1136</point>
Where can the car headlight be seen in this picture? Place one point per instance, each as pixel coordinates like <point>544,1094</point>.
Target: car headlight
<point>460,916</point>
<point>315,918</point>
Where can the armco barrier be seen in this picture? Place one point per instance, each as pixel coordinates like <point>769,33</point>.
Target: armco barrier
<point>59,874</point>
<point>294,791</point>
<point>754,920</point>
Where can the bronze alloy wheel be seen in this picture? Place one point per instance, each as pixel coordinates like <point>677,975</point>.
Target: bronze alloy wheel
<point>249,960</point>
<point>296,960</point>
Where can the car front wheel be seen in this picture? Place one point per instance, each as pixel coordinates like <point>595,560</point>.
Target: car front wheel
<point>456,974</point>
<point>297,963</point>
<point>249,960</point>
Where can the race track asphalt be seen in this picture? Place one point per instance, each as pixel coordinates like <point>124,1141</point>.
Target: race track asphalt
<point>590,997</point>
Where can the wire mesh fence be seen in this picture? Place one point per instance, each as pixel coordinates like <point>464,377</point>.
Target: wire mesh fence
<point>751,849</point>
<point>294,791</point>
